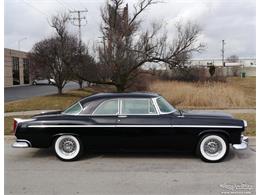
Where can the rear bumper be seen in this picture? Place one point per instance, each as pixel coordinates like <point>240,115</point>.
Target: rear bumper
<point>21,143</point>
<point>243,145</point>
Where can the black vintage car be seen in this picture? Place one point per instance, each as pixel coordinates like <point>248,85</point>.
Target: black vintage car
<point>130,121</point>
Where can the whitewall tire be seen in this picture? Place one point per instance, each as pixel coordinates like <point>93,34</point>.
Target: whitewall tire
<point>213,148</point>
<point>68,147</point>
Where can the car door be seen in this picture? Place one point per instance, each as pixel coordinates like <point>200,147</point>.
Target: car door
<point>104,133</point>
<point>143,127</point>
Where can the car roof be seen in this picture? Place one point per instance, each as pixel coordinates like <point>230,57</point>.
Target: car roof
<point>118,95</point>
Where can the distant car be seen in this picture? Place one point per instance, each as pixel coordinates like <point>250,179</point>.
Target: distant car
<point>130,121</point>
<point>43,82</point>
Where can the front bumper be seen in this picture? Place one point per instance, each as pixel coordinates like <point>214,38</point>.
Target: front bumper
<point>243,145</point>
<point>21,143</point>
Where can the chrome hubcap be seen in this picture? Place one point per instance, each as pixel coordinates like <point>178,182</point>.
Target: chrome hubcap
<point>212,147</point>
<point>67,146</point>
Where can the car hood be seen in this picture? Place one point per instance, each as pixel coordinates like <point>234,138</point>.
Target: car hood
<point>205,114</point>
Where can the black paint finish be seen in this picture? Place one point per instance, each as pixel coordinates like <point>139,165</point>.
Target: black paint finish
<point>174,131</point>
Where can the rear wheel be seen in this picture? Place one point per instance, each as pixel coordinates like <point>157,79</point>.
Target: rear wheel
<point>213,148</point>
<point>68,147</point>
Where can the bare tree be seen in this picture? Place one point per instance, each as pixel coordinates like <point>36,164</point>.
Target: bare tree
<point>233,58</point>
<point>57,54</point>
<point>84,66</point>
<point>125,48</point>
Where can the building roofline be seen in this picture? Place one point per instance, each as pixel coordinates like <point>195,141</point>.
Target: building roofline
<point>15,50</point>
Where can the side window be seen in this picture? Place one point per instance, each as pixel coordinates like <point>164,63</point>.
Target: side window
<point>107,108</point>
<point>138,106</point>
<point>74,109</point>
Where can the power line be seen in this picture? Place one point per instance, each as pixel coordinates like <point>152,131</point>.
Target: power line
<point>81,3</point>
<point>76,21</point>
<point>63,5</point>
<point>36,9</point>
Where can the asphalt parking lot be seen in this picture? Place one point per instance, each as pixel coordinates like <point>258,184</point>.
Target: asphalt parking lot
<point>23,92</point>
<point>38,171</point>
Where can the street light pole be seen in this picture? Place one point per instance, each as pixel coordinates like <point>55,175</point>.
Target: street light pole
<point>19,42</point>
<point>223,52</point>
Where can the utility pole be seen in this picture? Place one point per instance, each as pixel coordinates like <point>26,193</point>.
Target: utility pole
<point>76,21</point>
<point>223,52</point>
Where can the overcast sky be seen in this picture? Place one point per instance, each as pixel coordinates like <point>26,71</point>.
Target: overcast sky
<point>231,20</point>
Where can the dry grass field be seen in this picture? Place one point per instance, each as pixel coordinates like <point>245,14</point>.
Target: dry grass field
<point>235,93</point>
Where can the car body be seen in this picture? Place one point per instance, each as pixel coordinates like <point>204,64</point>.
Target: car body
<point>130,121</point>
<point>43,82</point>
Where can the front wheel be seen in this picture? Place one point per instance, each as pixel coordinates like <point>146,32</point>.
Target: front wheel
<point>68,147</point>
<point>212,148</point>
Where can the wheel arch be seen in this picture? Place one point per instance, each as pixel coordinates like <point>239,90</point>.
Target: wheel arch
<point>55,136</point>
<point>214,131</point>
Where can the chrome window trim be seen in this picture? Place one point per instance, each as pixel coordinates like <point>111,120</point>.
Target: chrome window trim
<point>94,114</point>
<point>151,99</point>
<point>159,107</point>
<point>156,105</point>
<point>154,101</point>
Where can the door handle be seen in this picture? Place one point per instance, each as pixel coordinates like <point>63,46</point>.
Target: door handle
<point>122,116</point>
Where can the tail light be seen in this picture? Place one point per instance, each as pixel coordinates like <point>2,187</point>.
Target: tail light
<point>14,126</point>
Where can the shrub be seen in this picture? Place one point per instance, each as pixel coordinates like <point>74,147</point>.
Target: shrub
<point>212,70</point>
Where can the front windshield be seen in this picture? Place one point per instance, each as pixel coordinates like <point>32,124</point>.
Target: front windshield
<point>164,106</point>
<point>74,109</point>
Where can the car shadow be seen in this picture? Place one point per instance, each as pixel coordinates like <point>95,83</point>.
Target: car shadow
<point>48,152</point>
<point>140,155</point>
<point>43,152</point>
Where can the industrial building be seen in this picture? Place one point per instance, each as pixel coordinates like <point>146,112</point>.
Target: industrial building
<point>16,68</point>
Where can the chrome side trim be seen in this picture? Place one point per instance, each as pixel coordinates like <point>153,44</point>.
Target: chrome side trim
<point>179,126</point>
<point>209,126</point>
<point>243,145</point>
<point>44,126</point>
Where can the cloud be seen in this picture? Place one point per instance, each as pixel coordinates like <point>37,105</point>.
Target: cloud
<point>232,20</point>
